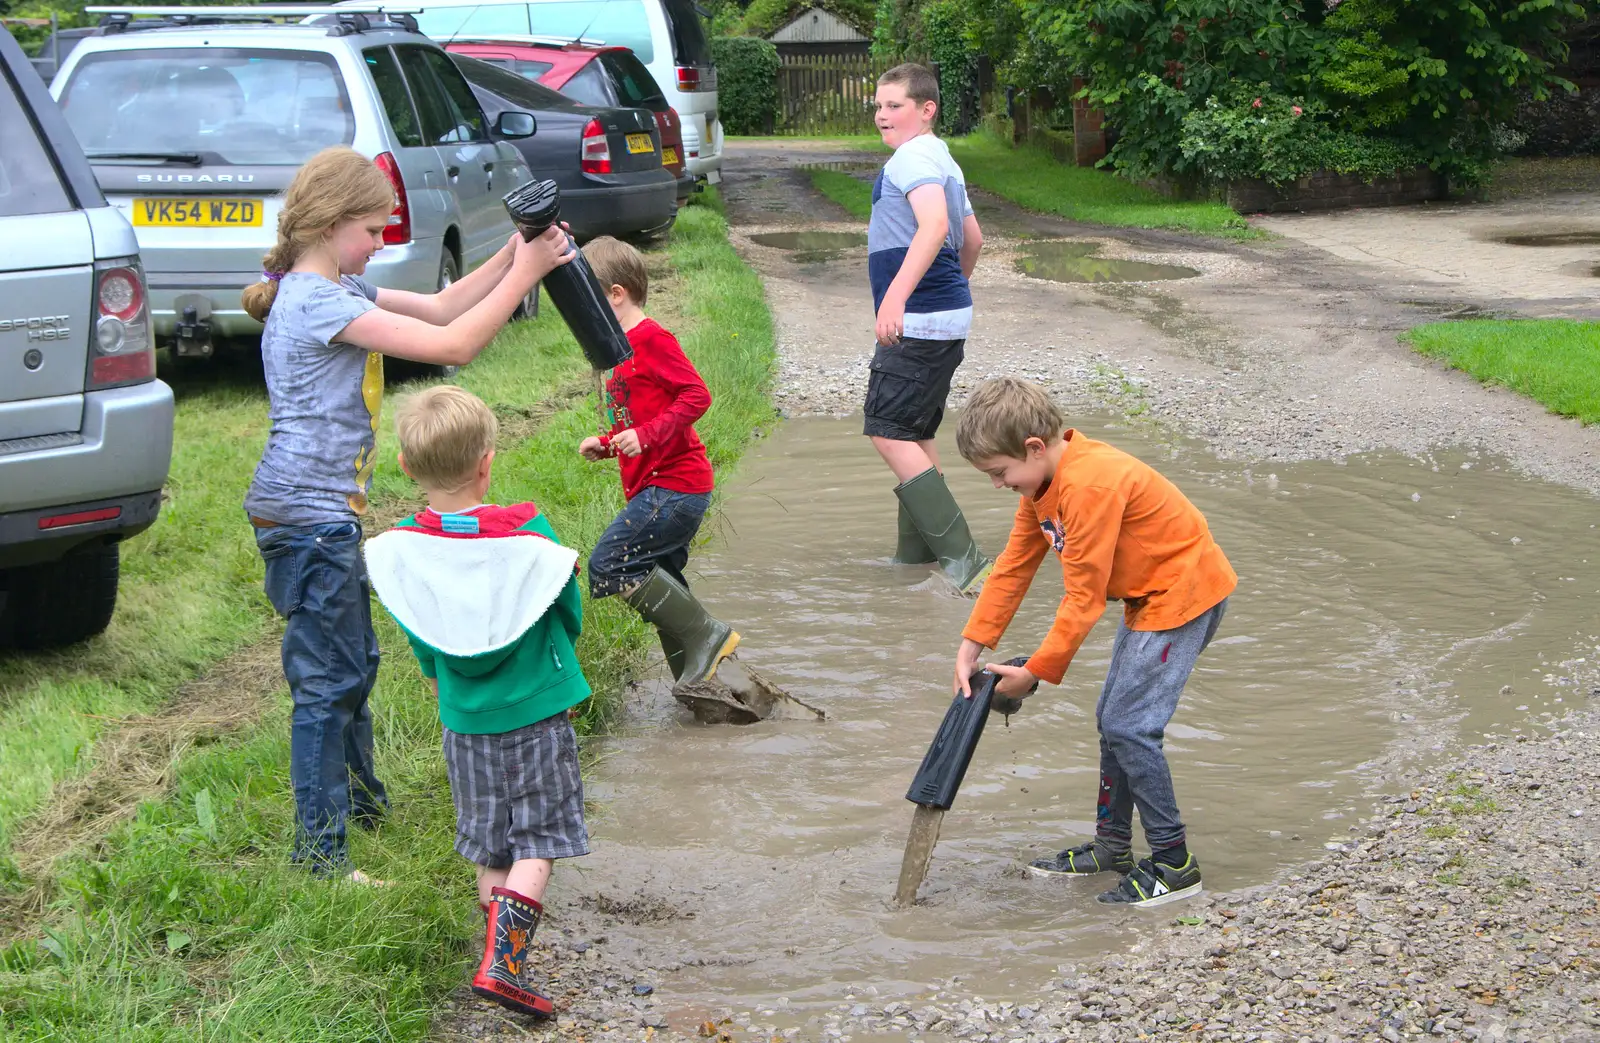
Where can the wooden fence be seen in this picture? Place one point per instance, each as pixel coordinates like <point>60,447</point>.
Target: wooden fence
<point>827,94</point>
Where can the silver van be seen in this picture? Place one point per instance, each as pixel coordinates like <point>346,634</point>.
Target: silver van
<point>85,427</point>
<point>195,130</point>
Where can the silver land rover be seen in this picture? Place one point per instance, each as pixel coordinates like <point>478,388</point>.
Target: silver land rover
<point>85,426</point>
<point>196,123</point>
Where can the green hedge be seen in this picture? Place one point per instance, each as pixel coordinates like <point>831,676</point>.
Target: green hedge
<point>747,84</point>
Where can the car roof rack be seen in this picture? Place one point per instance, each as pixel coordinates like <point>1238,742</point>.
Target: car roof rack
<point>350,18</point>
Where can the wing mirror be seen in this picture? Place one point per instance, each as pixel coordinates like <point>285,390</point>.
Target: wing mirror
<point>516,125</point>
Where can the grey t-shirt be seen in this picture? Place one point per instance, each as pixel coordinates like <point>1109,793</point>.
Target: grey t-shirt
<point>324,399</point>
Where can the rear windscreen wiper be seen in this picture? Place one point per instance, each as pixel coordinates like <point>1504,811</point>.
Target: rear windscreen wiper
<point>191,158</point>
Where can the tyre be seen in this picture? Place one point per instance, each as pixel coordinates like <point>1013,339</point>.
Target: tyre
<point>529,308</point>
<point>60,602</point>
<point>397,370</point>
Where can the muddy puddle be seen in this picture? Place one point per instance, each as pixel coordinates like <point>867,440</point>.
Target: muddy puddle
<point>812,247</point>
<point>1076,262</point>
<point>1387,606</point>
<point>1579,238</point>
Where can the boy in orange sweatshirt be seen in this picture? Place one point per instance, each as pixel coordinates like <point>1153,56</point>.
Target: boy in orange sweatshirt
<point>1121,531</point>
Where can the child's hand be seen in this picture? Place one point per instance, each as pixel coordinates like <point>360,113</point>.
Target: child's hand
<point>966,663</point>
<point>1016,682</point>
<point>591,448</point>
<point>627,443</point>
<point>545,253</point>
<point>891,320</point>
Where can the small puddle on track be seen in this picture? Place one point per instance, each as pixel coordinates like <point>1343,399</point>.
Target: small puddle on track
<point>1076,262</point>
<point>1383,602</point>
<point>812,247</point>
<point>1587,238</point>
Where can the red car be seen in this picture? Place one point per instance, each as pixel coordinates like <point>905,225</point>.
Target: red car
<point>590,75</point>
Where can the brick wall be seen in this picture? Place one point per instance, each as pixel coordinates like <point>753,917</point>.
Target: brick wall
<point>1326,190</point>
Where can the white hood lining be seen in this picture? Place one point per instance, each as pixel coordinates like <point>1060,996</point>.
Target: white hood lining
<point>466,597</point>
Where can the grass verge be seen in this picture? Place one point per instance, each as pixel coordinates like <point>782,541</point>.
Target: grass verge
<point>1036,180</point>
<point>1032,178</point>
<point>187,921</point>
<point>1552,361</point>
<point>848,191</point>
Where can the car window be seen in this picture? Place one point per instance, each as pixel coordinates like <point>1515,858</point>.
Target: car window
<point>588,86</point>
<point>508,86</point>
<point>635,87</point>
<point>689,46</point>
<point>528,70</point>
<point>467,112</point>
<point>391,87</point>
<point>29,181</point>
<point>441,122</point>
<point>233,105</point>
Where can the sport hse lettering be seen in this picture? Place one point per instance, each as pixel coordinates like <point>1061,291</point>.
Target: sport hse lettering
<point>198,179</point>
<point>197,211</point>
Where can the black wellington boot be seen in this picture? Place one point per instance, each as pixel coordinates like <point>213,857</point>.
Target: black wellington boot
<point>503,974</point>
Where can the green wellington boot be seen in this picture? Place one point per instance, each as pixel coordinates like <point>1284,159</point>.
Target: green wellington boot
<point>673,652</point>
<point>938,517</point>
<point>911,549</point>
<point>668,606</point>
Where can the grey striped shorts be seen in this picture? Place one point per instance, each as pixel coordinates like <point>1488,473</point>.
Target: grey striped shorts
<point>517,794</point>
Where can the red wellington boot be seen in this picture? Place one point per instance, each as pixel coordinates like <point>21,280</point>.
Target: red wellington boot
<point>502,976</point>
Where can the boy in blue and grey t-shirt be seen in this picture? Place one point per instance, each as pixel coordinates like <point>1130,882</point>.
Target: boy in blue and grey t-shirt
<point>922,244</point>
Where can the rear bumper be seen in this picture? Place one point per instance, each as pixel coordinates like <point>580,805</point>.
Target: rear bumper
<point>122,452</point>
<point>703,152</point>
<point>412,266</point>
<point>686,187</point>
<point>619,209</point>
<point>24,540</point>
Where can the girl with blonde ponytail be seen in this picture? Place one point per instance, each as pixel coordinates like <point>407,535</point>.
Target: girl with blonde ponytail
<point>327,330</point>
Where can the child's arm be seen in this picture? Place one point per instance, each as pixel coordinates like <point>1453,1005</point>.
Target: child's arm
<point>455,300</point>
<point>669,367</point>
<point>933,228</point>
<point>1092,525</point>
<point>393,333</point>
<point>1002,592</point>
<point>971,243</point>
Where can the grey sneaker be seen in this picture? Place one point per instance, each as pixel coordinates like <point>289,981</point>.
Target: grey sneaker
<point>1093,857</point>
<point>1155,883</point>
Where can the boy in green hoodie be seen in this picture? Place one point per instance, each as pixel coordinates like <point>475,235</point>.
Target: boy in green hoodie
<point>489,601</point>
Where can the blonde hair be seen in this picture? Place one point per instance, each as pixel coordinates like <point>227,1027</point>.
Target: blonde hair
<point>1002,415</point>
<point>918,80</point>
<point>444,432</point>
<point>615,263</point>
<point>337,184</point>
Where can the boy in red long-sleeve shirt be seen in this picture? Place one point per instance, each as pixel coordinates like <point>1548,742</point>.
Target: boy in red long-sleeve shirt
<point>654,399</point>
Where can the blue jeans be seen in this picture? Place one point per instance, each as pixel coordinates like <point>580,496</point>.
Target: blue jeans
<point>1148,671</point>
<point>655,528</point>
<point>317,580</point>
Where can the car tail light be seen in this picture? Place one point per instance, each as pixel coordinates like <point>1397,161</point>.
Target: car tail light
<point>123,352</point>
<point>398,230</point>
<point>689,78</point>
<point>596,153</point>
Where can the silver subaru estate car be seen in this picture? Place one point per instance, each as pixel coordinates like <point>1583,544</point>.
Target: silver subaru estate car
<point>85,426</point>
<point>195,125</point>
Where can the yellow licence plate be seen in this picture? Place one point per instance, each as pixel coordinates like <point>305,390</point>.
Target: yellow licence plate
<point>196,213</point>
<point>669,157</point>
<point>640,143</point>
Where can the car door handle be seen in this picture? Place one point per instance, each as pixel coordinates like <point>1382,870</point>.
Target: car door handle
<point>452,171</point>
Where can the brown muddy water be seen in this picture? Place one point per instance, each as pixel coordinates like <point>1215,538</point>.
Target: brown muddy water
<point>1386,606</point>
<point>812,247</point>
